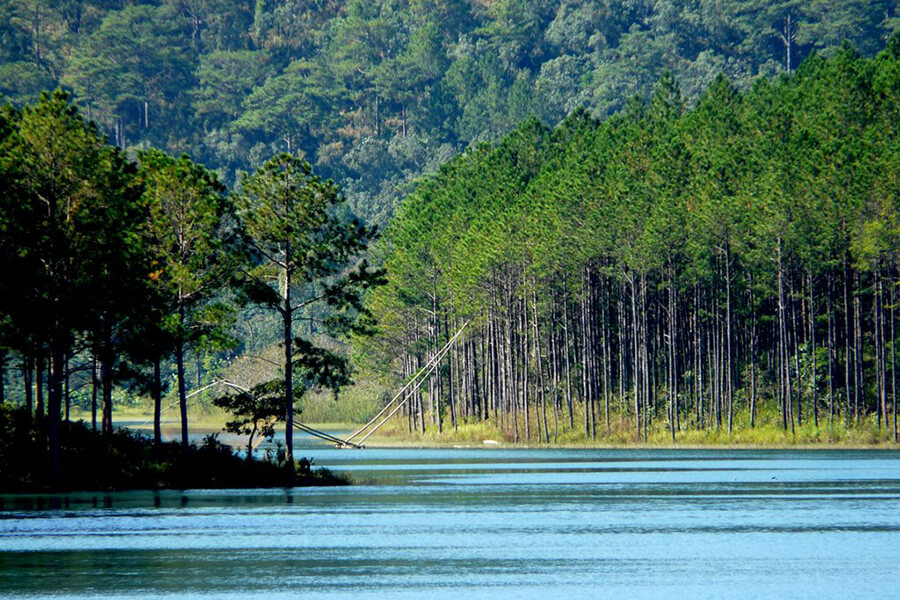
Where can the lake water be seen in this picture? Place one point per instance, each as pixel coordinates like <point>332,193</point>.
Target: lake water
<point>483,523</point>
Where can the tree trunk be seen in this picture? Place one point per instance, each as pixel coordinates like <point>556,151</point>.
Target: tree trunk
<point>106,364</point>
<point>66,396</point>
<point>635,356</point>
<point>95,386</point>
<point>893,296</point>
<point>858,383</point>
<point>566,355</point>
<point>157,401</point>
<point>851,398</point>
<point>182,389</point>
<point>39,388</point>
<point>753,355</point>
<point>28,375</point>
<point>784,357</point>
<point>287,315</point>
<point>729,367</point>
<point>830,352</point>
<point>54,405</point>
<point>812,350</point>
<point>250,441</point>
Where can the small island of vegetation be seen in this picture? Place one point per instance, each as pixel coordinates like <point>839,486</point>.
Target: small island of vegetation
<point>130,460</point>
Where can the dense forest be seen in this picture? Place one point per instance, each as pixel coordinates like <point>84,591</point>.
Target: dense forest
<point>375,93</point>
<point>730,264</point>
<point>678,214</point>
<point>112,269</point>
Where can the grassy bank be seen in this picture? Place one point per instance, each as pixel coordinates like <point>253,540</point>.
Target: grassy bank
<point>767,432</point>
<point>127,460</point>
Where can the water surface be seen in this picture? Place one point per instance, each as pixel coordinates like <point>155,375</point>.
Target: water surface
<point>482,523</point>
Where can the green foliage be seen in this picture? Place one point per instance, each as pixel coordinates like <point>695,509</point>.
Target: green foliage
<point>306,249</point>
<point>234,81</point>
<point>255,411</point>
<point>629,252</point>
<point>117,266</point>
<point>194,256</point>
<point>188,228</point>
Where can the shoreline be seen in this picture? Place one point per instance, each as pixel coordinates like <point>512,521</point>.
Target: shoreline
<point>388,444</point>
<point>206,426</point>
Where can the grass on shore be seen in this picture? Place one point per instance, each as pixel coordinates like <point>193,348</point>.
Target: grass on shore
<point>767,432</point>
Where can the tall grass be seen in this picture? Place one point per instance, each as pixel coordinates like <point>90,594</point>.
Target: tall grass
<point>767,431</point>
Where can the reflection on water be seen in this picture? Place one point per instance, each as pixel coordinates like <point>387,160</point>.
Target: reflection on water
<point>483,523</point>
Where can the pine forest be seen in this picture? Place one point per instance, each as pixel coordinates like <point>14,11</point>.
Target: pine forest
<point>636,222</point>
<point>680,268</point>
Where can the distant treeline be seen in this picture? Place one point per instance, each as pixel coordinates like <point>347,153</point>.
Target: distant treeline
<point>678,268</point>
<point>376,92</point>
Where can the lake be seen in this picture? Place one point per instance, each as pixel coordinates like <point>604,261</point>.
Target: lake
<point>483,523</point>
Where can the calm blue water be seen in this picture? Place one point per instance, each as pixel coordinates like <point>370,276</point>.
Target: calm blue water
<point>483,523</point>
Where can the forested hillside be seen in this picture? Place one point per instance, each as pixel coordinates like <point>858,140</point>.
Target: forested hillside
<point>375,93</point>
<point>727,265</point>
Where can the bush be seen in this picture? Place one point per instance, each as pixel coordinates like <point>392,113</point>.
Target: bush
<point>129,460</point>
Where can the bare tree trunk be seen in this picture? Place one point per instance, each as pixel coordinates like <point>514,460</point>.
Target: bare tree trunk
<point>28,376</point>
<point>858,383</point>
<point>66,396</point>
<point>635,356</point>
<point>753,355</point>
<point>698,343</point>
<point>812,350</point>
<point>729,369</point>
<point>604,337</point>
<point>54,405</point>
<point>182,389</point>
<point>287,316</point>
<point>451,391</point>
<point>568,363</point>
<point>784,357</point>
<point>645,358</point>
<point>880,350</point>
<point>554,369</point>
<point>851,399</point>
<point>830,351</point>
<point>796,353</point>
<point>893,296</point>
<point>157,401</point>
<point>585,361</point>
<point>39,387</point>
<point>95,385</point>
<point>538,363</point>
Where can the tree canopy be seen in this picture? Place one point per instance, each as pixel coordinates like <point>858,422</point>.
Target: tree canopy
<point>375,94</point>
<point>677,265</point>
